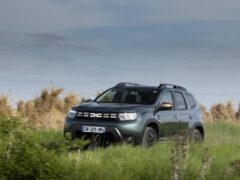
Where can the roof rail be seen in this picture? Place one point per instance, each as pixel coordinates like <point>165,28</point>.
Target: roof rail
<point>125,84</point>
<point>171,86</point>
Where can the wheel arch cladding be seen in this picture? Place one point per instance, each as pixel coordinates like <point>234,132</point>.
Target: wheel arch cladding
<point>155,126</point>
<point>201,129</point>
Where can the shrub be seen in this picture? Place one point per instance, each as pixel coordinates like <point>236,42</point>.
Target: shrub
<point>22,157</point>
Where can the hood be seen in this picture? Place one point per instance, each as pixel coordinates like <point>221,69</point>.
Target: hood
<point>112,107</point>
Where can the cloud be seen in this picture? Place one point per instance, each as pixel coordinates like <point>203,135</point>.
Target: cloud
<point>46,37</point>
<point>48,16</point>
<point>55,43</point>
<point>77,26</point>
<point>45,40</point>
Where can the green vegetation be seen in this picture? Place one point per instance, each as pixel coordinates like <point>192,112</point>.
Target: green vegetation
<point>32,147</point>
<point>30,153</point>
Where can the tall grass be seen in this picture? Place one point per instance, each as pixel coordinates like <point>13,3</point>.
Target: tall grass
<point>32,147</point>
<point>5,105</point>
<point>49,109</point>
<point>221,112</point>
<point>200,161</point>
<point>30,153</point>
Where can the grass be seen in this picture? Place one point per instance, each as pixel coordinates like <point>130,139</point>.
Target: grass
<point>32,146</point>
<point>221,133</point>
<point>30,153</point>
<point>126,162</point>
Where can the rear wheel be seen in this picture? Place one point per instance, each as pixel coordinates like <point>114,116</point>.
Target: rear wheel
<point>197,136</point>
<point>149,137</point>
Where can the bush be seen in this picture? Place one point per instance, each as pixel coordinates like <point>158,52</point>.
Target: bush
<point>30,153</point>
<point>23,157</point>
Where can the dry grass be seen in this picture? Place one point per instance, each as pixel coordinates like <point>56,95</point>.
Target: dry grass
<point>221,112</point>
<point>49,109</point>
<point>180,156</point>
<point>5,105</point>
<point>205,166</point>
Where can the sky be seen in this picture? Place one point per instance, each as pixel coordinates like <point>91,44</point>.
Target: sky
<point>86,46</point>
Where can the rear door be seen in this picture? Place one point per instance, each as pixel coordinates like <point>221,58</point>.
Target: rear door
<point>182,111</point>
<point>192,104</point>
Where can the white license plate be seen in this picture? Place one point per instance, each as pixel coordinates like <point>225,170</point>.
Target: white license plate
<point>93,129</point>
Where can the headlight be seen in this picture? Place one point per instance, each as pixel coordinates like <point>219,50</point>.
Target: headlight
<point>72,114</point>
<point>127,116</point>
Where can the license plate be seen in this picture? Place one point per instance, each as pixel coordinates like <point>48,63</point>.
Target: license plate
<point>93,129</point>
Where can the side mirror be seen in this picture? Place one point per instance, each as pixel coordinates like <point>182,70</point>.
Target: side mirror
<point>165,106</point>
<point>88,100</point>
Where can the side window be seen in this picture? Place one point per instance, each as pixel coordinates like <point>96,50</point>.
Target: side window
<point>191,101</point>
<point>180,101</point>
<point>167,97</point>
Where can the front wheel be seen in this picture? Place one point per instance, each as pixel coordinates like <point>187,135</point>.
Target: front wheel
<point>149,137</point>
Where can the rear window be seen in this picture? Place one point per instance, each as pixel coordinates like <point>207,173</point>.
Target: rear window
<point>191,101</point>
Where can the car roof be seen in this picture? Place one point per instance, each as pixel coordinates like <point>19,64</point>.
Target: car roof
<point>150,88</point>
<point>140,87</point>
<point>161,87</point>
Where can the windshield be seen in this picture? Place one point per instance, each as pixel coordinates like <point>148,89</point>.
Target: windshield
<point>128,96</point>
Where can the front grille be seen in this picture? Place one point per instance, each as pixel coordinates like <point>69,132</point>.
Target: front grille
<point>97,140</point>
<point>96,115</point>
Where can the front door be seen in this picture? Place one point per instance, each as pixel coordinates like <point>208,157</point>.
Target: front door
<point>167,118</point>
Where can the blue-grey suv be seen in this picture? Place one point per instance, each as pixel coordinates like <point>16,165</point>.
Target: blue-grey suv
<point>136,114</point>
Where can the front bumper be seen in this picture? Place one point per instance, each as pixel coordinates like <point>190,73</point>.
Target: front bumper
<point>77,133</point>
<point>129,131</point>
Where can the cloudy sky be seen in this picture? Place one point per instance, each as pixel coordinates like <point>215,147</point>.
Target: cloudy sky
<point>89,45</point>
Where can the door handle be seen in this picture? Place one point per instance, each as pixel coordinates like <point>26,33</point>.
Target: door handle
<point>190,116</point>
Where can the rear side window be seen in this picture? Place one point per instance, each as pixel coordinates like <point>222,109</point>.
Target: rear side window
<point>180,101</point>
<point>191,101</point>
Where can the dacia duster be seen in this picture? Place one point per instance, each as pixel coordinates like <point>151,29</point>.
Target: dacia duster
<point>136,114</point>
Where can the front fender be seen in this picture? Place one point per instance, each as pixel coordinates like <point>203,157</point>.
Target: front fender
<point>152,121</point>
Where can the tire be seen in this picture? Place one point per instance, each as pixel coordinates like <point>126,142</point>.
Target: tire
<point>197,136</point>
<point>149,137</point>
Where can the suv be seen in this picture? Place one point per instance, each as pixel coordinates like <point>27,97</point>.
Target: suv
<point>136,114</point>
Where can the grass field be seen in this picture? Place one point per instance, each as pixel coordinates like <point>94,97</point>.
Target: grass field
<point>29,153</point>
